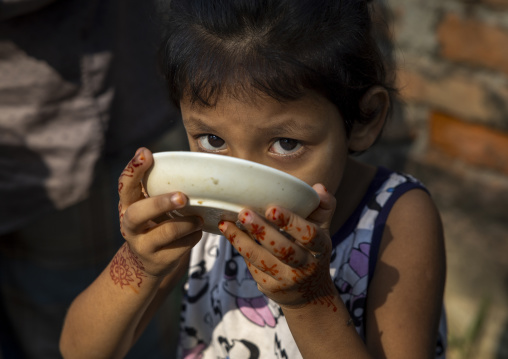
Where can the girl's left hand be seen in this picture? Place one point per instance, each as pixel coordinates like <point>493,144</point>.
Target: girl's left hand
<point>291,263</point>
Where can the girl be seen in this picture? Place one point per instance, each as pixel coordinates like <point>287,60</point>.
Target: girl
<point>298,85</point>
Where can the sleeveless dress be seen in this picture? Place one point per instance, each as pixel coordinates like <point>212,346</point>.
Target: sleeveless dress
<point>224,315</point>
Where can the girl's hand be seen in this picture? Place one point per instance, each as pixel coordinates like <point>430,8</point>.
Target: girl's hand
<point>155,248</point>
<point>291,263</point>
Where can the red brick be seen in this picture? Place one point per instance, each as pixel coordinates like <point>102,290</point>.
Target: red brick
<point>452,94</point>
<point>472,143</point>
<point>473,42</point>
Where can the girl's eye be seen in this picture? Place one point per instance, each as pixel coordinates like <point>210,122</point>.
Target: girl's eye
<point>285,146</point>
<point>211,142</point>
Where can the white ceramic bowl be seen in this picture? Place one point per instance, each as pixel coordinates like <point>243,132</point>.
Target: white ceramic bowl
<point>219,187</point>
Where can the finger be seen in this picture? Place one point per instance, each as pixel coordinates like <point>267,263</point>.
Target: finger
<point>137,216</point>
<point>275,242</point>
<point>179,233</point>
<point>304,232</point>
<point>259,260</point>
<point>129,183</point>
<point>323,215</point>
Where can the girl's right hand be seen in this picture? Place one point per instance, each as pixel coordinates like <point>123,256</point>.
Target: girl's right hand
<point>156,247</point>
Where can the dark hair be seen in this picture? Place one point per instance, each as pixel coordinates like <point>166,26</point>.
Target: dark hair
<point>279,47</point>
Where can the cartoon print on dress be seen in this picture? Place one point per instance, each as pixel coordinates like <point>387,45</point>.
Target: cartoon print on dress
<point>250,301</point>
<point>199,277</point>
<point>280,352</point>
<point>197,274</point>
<point>239,348</point>
<point>195,345</point>
<point>192,346</point>
<point>373,204</point>
<point>352,278</point>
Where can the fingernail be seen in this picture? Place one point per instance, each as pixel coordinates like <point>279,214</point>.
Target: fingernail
<point>278,217</point>
<point>245,217</point>
<point>177,199</point>
<point>222,226</point>
<point>140,154</point>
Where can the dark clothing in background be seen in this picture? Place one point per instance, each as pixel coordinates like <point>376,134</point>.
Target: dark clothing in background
<point>79,92</point>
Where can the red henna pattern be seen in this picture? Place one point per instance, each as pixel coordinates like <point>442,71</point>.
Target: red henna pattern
<point>283,221</point>
<point>311,233</point>
<point>231,238</point>
<point>271,270</point>
<point>129,170</point>
<point>308,279</point>
<point>280,219</point>
<point>126,268</point>
<point>258,231</point>
<point>120,271</point>
<point>121,225</point>
<point>274,214</point>
<point>245,217</point>
<point>286,254</point>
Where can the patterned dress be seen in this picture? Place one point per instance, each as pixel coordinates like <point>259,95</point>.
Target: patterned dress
<point>224,314</point>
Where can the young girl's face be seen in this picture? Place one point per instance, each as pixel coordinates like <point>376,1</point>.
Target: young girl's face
<point>305,138</point>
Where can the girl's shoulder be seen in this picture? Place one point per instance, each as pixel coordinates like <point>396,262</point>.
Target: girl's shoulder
<point>372,212</point>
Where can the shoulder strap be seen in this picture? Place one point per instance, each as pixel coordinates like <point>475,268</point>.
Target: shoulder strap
<point>393,188</point>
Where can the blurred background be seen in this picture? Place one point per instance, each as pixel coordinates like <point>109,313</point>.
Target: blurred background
<point>450,129</point>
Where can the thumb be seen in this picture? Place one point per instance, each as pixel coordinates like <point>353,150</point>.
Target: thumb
<point>323,214</point>
<point>129,183</point>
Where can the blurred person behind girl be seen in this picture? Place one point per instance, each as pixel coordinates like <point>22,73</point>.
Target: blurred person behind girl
<point>79,92</point>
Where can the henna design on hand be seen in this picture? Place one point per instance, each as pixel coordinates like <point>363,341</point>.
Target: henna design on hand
<point>258,232</point>
<point>270,270</point>
<point>311,285</point>
<point>128,171</point>
<point>126,268</point>
<point>120,214</point>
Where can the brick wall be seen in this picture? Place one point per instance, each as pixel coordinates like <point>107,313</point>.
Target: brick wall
<point>451,124</point>
<point>452,68</point>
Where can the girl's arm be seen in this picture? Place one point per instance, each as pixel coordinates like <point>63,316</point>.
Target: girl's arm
<point>405,295</point>
<point>406,292</point>
<point>105,320</point>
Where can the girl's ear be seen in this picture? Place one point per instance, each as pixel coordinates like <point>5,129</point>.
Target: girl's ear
<point>375,103</point>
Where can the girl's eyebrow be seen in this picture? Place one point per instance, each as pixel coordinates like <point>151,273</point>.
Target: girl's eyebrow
<point>289,126</point>
<point>283,127</point>
<point>196,124</point>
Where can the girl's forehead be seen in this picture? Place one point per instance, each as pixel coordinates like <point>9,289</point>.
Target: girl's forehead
<point>251,98</point>
<point>307,114</point>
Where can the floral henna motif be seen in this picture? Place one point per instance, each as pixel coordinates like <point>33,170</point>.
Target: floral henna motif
<point>280,219</point>
<point>286,254</point>
<point>310,287</point>
<point>126,268</point>
<point>120,271</point>
<point>258,232</point>
<point>270,270</point>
